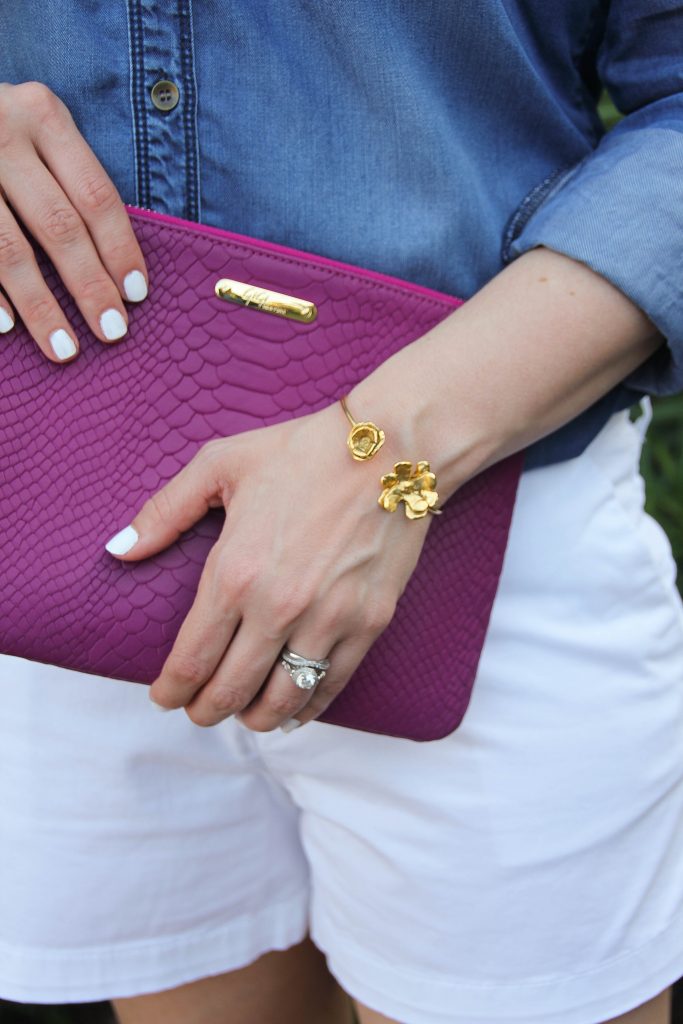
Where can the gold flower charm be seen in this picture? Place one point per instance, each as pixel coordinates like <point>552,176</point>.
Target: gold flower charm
<point>416,489</point>
<point>365,439</point>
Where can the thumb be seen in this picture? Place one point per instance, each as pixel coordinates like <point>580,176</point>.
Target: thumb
<point>170,511</point>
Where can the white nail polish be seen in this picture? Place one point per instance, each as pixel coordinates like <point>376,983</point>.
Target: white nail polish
<point>113,325</point>
<point>6,321</point>
<point>135,286</point>
<point>123,541</point>
<point>291,725</point>
<point>63,345</point>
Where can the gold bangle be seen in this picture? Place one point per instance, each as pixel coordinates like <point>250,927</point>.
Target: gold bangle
<point>415,488</point>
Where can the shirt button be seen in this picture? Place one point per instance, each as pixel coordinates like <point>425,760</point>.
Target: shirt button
<point>165,94</point>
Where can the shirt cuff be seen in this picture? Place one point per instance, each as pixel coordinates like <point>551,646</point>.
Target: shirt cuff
<point>620,211</point>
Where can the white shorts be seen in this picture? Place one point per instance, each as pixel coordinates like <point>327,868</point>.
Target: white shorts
<point>528,867</point>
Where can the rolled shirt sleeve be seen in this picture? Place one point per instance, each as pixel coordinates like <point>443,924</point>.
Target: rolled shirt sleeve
<point>620,209</point>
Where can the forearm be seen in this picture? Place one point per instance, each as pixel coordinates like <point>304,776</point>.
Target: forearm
<point>538,344</point>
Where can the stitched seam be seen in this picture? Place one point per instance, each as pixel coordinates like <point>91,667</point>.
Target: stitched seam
<point>136,43</point>
<point>542,982</point>
<point>278,258</point>
<point>132,99</point>
<point>195,114</point>
<point>189,109</point>
<point>168,942</point>
<point>530,205</point>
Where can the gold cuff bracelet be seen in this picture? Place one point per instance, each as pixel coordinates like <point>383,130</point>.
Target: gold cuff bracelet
<point>415,488</point>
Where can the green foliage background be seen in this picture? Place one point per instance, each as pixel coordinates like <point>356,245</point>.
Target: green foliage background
<point>662,467</point>
<point>662,461</point>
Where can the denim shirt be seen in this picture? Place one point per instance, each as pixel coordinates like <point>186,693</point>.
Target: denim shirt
<point>433,140</point>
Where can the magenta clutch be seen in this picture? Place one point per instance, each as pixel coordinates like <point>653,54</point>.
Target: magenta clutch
<point>83,445</point>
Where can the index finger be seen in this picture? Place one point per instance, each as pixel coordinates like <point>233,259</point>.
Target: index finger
<point>93,194</point>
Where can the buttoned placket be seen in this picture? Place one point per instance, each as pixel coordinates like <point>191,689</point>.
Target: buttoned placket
<point>163,96</point>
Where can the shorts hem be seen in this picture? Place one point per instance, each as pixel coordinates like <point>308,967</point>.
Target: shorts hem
<point>96,973</point>
<point>599,994</point>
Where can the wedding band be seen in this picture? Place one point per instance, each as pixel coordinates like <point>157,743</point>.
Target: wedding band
<point>298,659</point>
<point>305,672</point>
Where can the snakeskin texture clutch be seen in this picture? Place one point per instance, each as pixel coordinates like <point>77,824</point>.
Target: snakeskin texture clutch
<point>83,445</point>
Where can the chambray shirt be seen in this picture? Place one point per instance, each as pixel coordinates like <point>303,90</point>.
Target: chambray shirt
<point>435,140</point>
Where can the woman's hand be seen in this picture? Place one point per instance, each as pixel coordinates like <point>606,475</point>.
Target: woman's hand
<point>55,184</point>
<point>306,558</point>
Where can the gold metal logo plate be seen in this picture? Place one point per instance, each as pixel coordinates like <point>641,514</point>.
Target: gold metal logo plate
<point>268,302</point>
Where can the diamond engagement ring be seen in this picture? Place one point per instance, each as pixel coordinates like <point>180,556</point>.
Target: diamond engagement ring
<point>306,672</point>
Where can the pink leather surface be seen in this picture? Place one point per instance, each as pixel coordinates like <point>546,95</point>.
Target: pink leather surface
<point>83,445</point>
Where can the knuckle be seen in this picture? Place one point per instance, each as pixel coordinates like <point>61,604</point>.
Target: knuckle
<point>282,610</point>
<point>14,249</point>
<point>283,704</point>
<point>185,667</point>
<point>42,105</point>
<point>7,114</point>
<point>36,96</point>
<point>378,616</point>
<point>202,469</point>
<point>210,448</point>
<point>210,460</point>
<point>158,507</point>
<point>333,615</point>
<point>26,105</point>
<point>97,194</point>
<point>7,129</point>
<point>207,455</point>
<point>198,718</point>
<point>227,699</point>
<point>123,250</point>
<point>94,288</point>
<point>250,718</point>
<point>61,224</point>
<point>39,309</point>
<point>286,600</point>
<point>241,579</point>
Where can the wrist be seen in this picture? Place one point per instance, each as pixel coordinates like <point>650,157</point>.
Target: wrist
<point>416,427</point>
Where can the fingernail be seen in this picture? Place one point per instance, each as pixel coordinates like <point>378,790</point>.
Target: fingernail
<point>113,325</point>
<point>6,321</point>
<point>123,541</point>
<point>291,725</point>
<point>135,286</point>
<point>63,344</point>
